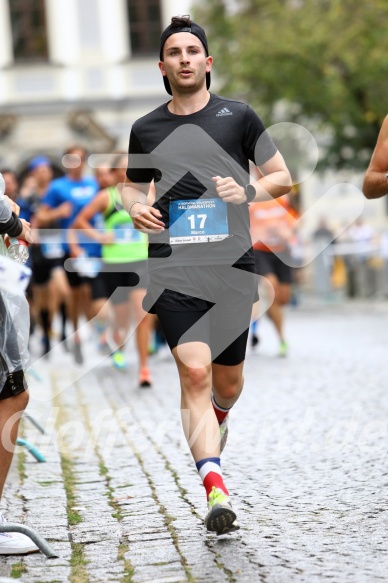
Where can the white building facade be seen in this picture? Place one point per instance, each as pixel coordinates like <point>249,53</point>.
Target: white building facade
<point>77,71</point>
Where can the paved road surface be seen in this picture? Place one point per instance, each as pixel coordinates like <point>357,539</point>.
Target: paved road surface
<point>306,464</point>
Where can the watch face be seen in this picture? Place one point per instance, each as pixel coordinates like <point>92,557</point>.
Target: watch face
<point>250,192</point>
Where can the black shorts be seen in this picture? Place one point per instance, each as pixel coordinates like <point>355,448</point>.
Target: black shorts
<point>97,285</point>
<point>76,280</point>
<point>124,276</point>
<point>73,277</point>
<point>42,271</point>
<point>279,265</point>
<point>42,267</point>
<point>14,385</point>
<point>216,311</point>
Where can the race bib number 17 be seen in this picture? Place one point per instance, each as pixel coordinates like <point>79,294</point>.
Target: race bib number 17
<point>198,221</point>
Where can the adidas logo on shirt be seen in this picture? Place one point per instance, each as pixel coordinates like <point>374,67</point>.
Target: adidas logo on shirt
<point>223,112</point>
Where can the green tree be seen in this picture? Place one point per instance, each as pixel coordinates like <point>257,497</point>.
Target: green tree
<point>320,63</point>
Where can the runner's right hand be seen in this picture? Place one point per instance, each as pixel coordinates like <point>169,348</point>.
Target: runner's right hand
<point>65,210</point>
<point>146,219</point>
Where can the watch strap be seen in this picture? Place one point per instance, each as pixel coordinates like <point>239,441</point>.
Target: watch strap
<point>250,192</point>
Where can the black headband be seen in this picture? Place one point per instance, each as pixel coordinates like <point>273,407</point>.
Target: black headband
<point>194,29</point>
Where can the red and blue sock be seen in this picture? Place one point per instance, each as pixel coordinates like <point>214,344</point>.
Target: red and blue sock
<point>210,471</point>
<point>221,412</point>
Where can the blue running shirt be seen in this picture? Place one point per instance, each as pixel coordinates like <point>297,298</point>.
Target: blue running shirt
<point>79,193</point>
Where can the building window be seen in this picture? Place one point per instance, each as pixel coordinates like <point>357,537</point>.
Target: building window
<point>29,35</point>
<point>145,26</point>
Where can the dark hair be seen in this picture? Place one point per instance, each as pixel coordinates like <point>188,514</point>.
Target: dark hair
<point>179,21</point>
<point>8,171</point>
<point>73,148</point>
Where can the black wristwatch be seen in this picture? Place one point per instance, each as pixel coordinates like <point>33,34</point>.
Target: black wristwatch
<point>250,192</point>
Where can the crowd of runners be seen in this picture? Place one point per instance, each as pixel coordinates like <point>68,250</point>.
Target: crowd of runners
<point>79,217</point>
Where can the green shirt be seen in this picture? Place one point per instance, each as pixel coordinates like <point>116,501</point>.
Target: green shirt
<point>129,244</point>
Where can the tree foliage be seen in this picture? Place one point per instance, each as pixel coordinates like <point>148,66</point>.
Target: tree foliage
<point>321,63</point>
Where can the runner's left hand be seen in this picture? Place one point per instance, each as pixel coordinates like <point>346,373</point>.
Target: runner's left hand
<point>228,189</point>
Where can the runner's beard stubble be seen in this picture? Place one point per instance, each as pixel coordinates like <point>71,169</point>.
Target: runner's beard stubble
<point>183,87</point>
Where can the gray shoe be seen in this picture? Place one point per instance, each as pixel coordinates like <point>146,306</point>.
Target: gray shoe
<point>221,517</point>
<point>224,433</point>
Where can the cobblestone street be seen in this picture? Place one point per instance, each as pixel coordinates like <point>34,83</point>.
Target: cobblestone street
<point>306,464</point>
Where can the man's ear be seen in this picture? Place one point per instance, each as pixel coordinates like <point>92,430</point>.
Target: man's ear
<point>209,62</point>
<point>161,67</point>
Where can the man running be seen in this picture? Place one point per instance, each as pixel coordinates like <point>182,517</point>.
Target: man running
<point>199,146</point>
<point>272,227</point>
<point>124,255</point>
<point>62,202</point>
<point>45,260</point>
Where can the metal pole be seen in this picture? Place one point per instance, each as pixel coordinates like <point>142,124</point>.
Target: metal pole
<point>40,542</point>
<point>34,422</point>
<point>33,451</point>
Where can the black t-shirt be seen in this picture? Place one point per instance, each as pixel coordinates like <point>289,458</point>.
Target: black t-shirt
<point>185,152</point>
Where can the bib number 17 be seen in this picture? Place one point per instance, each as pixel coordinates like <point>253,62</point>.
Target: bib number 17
<point>202,222</point>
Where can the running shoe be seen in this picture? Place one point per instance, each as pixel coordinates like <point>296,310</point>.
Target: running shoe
<point>15,543</point>
<point>152,349</point>
<point>119,361</point>
<point>283,350</point>
<point>145,380</point>
<point>46,346</point>
<point>224,433</point>
<point>64,343</point>
<point>103,346</point>
<point>220,518</point>
<point>254,340</point>
<point>78,353</point>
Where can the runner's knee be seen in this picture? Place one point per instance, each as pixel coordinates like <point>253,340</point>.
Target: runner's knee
<point>229,390</point>
<point>194,380</point>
